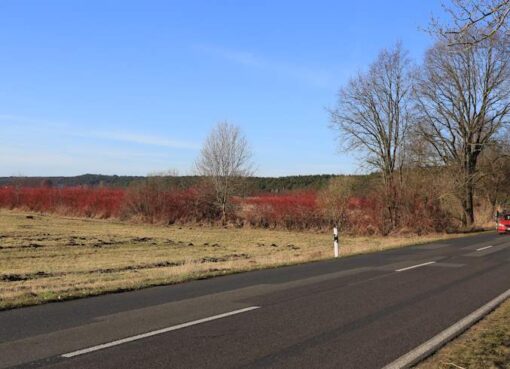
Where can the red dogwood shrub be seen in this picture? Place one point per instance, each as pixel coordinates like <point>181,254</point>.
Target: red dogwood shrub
<point>153,202</point>
<point>77,201</point>
<point>293,210</point>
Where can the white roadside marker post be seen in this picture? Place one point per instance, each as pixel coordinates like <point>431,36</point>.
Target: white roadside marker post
<point>335,241</point>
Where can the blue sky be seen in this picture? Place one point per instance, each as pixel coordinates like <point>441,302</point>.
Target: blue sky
<point>133,87</point>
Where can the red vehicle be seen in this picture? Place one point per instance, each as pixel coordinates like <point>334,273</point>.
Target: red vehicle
<point>503,225</point>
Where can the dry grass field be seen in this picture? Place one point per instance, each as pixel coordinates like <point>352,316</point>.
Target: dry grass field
<point>485,346</point>
<point>49,258</point>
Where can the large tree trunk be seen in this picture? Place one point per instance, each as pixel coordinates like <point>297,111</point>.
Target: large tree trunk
<point>392,204</point>
<point>468,218</point>
<point>224,213</point>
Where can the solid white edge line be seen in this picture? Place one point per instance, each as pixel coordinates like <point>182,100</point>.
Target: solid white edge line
<point>421,352</point>
<point>414,266</point>
<point>484,248</point>
<point>156,332</point>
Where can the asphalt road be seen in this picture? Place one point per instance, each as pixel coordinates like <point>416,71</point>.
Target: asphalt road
<point>356,312</point>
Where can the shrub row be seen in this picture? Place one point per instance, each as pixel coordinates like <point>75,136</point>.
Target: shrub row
<point>75,201</point>
<point>153,203</point>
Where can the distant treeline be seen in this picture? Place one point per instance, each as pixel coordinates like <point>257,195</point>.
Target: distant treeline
<point>92,180</point>
<point>253,184</point>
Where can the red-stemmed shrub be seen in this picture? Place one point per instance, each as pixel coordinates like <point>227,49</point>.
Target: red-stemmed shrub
<point>293,210</point>
<point>76,201</point>
<point>151,201</point>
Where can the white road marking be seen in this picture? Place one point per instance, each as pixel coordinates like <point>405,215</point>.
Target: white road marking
<point>414,266</point>
<point>424,350</point>
<point>159,331</point>
<point>484,248</point>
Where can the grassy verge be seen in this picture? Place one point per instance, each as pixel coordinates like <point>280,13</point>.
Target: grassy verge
<point>48,258</point>
<point>485,346</point>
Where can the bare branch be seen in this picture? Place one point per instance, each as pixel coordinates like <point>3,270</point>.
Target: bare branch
<point>474,21</point>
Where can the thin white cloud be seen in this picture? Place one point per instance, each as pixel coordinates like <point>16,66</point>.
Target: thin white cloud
<point>21,157</point>
<point>122,154</point>
<point>142,139</point>
<point>240,57</point>
<point>312,76</point>
<point>18,158</point>
<point>121,136</point>
<point>13,121</point>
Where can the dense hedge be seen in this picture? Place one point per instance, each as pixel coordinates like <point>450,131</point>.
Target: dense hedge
<point>77,201</point>
<point>153,201</point>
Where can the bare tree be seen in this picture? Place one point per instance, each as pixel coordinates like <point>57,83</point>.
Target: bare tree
<point>225,159</point>
<point>463,99</point>
<point>495,173</point>
<point>373,116</point>
<point>473,21</point>
<point>334,200</point>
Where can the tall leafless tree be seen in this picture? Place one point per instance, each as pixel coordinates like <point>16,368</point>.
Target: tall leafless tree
<point>373,116</point>
<point>473,21</point>
<point>495,173</point>
<point>225,160</point>
<point>463,99</point>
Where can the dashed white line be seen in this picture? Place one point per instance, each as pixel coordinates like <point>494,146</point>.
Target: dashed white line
<point>414,266</point>
<point>159,331</point>
<point>484,248</point>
